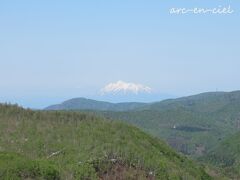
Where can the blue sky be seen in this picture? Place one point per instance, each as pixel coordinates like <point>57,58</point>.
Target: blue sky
<point>54,50</point>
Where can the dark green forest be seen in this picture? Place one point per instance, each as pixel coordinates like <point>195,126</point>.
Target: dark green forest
<point>226,156</point>
<point>186,123</point>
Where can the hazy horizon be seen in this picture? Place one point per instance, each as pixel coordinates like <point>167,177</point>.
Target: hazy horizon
<point>53,51</point>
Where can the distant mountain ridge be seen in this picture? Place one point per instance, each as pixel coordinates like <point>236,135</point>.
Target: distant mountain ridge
<point>204,102</point>
<point>89,104</point>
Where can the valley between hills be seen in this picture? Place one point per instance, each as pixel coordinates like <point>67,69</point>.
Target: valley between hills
<point>194,137</point>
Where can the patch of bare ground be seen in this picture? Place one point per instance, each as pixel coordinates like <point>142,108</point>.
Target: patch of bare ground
<point>121,171</point>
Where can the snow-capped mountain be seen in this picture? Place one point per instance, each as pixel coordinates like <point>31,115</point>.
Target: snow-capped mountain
<point>122,91</point>
<point>125,87</point>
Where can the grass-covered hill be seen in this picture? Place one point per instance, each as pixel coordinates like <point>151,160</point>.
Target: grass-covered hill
<point>187,122</point>
<point>227,156</point>
<point>71,145</point>
<point>89,104</point>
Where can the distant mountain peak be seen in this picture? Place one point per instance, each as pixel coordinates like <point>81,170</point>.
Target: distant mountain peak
<point>125,87</point>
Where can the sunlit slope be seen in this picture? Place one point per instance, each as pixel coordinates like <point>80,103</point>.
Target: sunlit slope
<point>77,146</point>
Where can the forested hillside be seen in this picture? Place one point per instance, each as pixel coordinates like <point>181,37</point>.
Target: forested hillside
<point>89,104</point>
<point>187,122</point>
<point>227,156</point>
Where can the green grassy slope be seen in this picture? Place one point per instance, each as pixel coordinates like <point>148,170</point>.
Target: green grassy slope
<point>14,166</point>
<point>227,156</point>
<point>187,122</point>
<point>69,145</point>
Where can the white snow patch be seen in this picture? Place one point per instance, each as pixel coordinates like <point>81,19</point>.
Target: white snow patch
<point>121,86</point>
